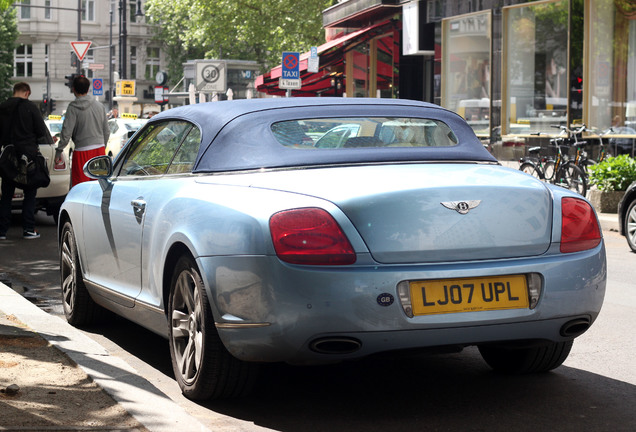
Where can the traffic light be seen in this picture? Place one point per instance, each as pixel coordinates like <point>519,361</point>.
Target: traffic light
<point>69,80</point>
<point>44,106</point>
<point>52,101</point>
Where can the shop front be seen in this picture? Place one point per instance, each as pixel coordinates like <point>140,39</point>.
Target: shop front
<point>361,63</point>
<point>517,72</point>
<point>513,72</point>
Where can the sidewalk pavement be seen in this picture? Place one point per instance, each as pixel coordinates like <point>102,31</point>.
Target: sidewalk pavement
<point>20,319</point>
<point>147,408</point>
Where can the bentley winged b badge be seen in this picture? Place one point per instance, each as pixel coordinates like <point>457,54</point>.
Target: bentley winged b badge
<point>462,207</point>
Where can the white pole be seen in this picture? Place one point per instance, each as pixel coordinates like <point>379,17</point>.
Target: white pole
<point>192,96</point>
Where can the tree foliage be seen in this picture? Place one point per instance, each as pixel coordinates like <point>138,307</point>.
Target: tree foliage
<point>8,37</point>
<point>258,30</point>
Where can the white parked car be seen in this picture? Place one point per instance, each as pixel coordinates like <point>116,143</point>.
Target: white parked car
<point>121,129</point>
<point>50,198</point>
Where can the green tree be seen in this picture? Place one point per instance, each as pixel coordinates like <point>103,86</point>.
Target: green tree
<point>8,37</point>
<point>258,30</point>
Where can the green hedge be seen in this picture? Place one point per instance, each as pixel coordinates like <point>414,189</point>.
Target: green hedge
<point>613,174</point>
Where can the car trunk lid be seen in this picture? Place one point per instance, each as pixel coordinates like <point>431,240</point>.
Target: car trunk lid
<point>433,212</point>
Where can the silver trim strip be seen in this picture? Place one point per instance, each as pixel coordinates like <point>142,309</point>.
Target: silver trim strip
<point>240,325</point>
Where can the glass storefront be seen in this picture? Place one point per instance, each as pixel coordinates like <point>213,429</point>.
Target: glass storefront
<point>611,88</point>
<point>371,68</point>
<point>535,67</point>
<point>517,70</point>
<point>466,60</point>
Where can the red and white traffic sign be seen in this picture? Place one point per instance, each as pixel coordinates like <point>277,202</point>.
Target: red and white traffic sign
<point>81,48</point>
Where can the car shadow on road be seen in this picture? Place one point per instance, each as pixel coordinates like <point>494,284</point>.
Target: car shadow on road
<point>456,392</point>
<point>438,392</point>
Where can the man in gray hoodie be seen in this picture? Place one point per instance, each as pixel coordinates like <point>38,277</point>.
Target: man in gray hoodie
<point>86,123</point>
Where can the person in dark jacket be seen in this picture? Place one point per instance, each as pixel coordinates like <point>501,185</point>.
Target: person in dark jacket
<point>22,125</point>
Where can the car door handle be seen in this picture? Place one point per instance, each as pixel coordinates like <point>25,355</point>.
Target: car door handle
<point>139,207</point>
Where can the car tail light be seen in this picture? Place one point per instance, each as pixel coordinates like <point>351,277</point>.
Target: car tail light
<point>60,165</point>
<point>310,236</point>
<point>579,226</point>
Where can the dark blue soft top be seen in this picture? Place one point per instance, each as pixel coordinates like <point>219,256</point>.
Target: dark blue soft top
<point>237,135</point>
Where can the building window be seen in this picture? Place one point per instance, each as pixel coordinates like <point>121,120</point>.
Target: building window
<point>535,67</point>
<point>25,11</point>
<point>47,9</point>
<point>23,63</point>
<point>152,62</point>
<point>133,62</point>
<point>466,60</point>
<point>132,11</point>
<point>88,10</point>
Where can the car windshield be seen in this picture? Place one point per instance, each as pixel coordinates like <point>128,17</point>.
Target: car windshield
<point>55,127</point>
<point>133,126</point>
<point>334,133</point>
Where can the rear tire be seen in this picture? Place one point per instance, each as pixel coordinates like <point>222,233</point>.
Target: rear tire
<point>630,225</point>
<point>572,177</point>
<point>79,307</point>
<point>514,360</point>
<point>548,170</point>
<point>532,169</point>
<point>202,365</point>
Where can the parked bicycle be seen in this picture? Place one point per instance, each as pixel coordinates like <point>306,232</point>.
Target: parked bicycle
<point>537,165</point>
<point>581,159</point>
<point>561,171</point>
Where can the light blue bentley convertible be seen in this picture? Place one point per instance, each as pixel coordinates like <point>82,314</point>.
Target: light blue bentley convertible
<point>225,228</point>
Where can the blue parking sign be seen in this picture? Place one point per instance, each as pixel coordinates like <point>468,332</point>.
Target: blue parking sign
<point>98,87</point>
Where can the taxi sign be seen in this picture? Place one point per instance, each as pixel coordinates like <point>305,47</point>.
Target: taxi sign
<point>285,83</point>
<point>55,117</point>
<point>290,78</point>
<point>128,115</point>
<point>98,87</point>
<point>125,88</point>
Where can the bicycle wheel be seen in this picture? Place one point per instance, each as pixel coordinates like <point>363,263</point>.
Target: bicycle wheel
<point>532,169</point>
<point>548,169</point>
<point>572,177</point>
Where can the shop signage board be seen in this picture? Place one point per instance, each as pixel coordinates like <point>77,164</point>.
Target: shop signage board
<point>290,78</point>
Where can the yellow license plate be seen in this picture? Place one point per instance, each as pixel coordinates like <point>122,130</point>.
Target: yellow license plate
<point>469,294</point>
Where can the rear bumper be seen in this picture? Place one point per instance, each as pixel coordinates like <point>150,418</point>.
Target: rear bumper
<point>268,311</point>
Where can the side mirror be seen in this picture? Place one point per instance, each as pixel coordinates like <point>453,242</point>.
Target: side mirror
<point>100,167</point>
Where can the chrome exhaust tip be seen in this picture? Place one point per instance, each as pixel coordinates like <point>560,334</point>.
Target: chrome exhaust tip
<point>335,345</point>
<point>575,327</point>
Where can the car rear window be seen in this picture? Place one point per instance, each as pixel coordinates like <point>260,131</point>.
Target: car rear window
<point>363,132</point>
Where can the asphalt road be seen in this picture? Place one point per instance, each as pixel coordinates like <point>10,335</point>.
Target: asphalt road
<point>595,390</point>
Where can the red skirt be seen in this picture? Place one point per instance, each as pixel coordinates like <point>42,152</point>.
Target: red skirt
<point>79,160</point>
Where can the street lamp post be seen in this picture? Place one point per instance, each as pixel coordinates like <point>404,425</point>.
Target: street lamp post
<point>123,34</point>
<point>79,29</point>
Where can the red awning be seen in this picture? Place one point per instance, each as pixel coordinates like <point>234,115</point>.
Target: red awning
<point>331,55</point>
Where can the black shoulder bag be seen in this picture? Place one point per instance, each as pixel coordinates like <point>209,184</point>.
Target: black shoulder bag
<point>25,171</point>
